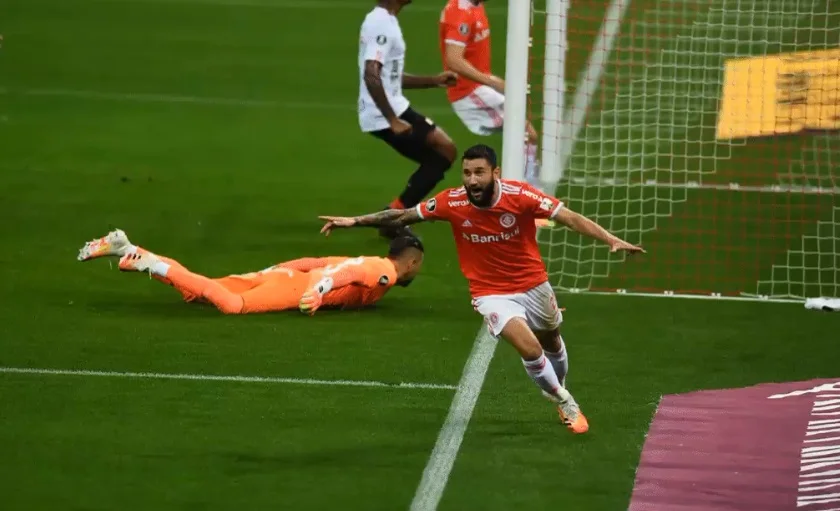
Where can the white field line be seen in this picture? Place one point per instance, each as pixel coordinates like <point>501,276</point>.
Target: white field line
<point>440,463</point>
<point>232,378</point>
<point>439,466</point>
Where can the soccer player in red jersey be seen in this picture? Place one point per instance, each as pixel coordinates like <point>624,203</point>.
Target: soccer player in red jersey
<point>492,221</point>
<point>478,95</point>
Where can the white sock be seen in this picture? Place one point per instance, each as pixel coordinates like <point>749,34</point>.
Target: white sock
<point>532,166</point>
<point>130,249</point>
<point>160,268</point>
<point>543,374</point>
<point>560,362</point>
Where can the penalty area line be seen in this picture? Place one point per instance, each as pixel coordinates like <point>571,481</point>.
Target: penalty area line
<point>231,378</point>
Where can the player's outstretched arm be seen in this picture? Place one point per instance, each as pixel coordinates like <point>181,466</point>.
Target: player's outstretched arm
<point>585,226</point>
<point>386,218</point>
<point>445,79</point>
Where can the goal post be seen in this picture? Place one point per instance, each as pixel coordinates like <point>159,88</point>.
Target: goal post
<point>516,89</point>
<point>553,94</point>
<point>708,131</point>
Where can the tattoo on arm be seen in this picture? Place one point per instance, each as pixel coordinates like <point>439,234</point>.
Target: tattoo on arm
<point>390,218</point>
<point>373,82</point>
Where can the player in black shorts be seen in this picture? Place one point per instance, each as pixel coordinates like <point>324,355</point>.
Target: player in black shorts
<point>413,135</point>
<point>425,144</point>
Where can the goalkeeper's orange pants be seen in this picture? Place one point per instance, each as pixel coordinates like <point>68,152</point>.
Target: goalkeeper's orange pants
<point>240,294</point>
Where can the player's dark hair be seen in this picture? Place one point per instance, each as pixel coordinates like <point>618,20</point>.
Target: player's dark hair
<point>481,151</point>
<point>403,243</point>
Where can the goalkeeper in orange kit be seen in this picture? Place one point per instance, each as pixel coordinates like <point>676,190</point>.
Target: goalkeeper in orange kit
<point>306,284</point>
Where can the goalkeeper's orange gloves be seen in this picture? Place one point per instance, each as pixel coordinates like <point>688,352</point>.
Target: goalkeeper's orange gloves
<point>314,296</point>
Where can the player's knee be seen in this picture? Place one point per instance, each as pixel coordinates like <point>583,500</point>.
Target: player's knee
<point>450,153</point>
<point>444,147</point>
<point>529,349</point>
<point>517,332</point>
<point>232,306</point>
<point>550,340</point>
<point>231,310</point>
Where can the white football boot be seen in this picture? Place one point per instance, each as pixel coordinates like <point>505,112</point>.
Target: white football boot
<point>115,244</point>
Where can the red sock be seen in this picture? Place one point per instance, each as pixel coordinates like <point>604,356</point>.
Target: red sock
<point>396,204</point>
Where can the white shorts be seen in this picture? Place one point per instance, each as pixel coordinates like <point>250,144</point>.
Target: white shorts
<point>537,306</point>
<point>483,111</point>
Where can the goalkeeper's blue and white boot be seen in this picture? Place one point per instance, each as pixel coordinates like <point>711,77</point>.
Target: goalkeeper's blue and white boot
<point>115,244</point>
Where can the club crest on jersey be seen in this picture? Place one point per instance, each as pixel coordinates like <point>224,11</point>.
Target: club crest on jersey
<point>384,280</point>
<point>381,39</point>
<point>507,220</point>
<point>431,204</point>
<point>464,29</point>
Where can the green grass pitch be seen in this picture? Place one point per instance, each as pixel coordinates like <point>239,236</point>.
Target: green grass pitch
<point>215,132</point>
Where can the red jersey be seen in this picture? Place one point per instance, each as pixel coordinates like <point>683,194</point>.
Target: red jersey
<point>497,245</point>
<point>465,24</point>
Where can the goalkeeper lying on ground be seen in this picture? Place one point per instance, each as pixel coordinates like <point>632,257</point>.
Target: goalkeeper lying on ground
<point>306,284</point>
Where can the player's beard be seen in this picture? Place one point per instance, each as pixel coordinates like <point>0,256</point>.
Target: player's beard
<point>485,198</point>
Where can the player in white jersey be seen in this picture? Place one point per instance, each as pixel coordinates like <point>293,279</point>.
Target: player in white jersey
<point>385,112</point>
